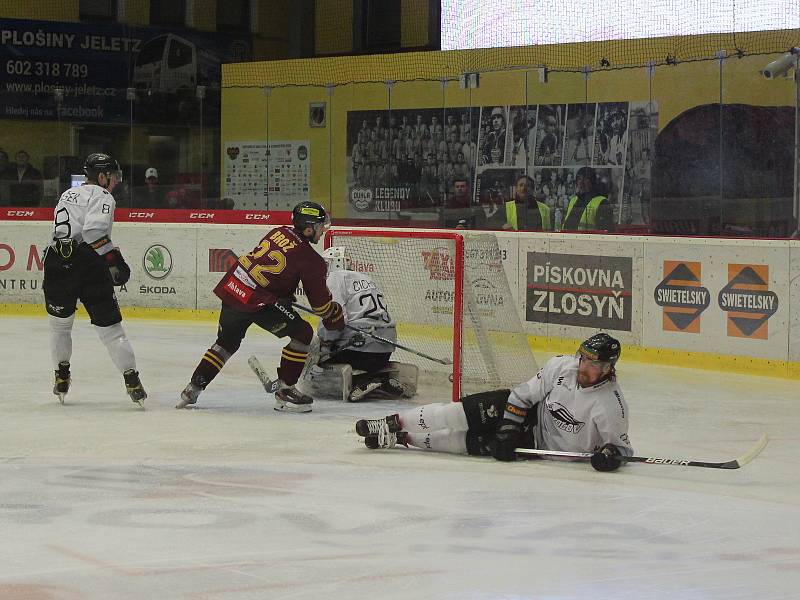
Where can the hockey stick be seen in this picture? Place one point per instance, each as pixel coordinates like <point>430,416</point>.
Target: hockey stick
<point>270,386</point>
<point>731,464</point>
<point>441,361</point>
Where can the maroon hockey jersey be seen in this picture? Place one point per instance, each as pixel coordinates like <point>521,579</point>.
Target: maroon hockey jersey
<point>271,271</point>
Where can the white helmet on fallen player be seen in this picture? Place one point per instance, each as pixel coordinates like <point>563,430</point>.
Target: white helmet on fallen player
<point>336,257</point>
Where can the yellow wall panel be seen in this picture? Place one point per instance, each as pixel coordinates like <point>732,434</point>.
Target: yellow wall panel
<point>45,10</point>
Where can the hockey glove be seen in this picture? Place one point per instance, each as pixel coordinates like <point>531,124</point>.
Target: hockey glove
<point>334,319</point>
<point>119,269</point>
<point>506,439</point>
<point>604,459</point>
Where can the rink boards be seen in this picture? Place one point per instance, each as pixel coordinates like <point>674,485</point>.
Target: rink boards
<point>713,303</point>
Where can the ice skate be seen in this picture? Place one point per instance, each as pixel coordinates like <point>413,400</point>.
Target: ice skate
<point>62,381</point>
<point>289,399</point>
<point>133,386</point>
<point>189,395</point>
<point>392,388</point>
<point>385,439</point>
<point>391,424</point>
<point>359,392</point>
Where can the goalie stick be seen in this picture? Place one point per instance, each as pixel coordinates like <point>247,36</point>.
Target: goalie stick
<point>441,361</point>
<point>730,464</point>
<point>270,386</point>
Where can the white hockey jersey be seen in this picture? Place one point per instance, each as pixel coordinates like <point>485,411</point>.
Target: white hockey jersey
<point>572,418</point>
<point>85,214</point>
<point>364,308</point>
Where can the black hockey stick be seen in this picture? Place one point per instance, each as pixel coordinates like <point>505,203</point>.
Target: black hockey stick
<point>730,464</point>
<point>441,361</point>
<point>270,386</point>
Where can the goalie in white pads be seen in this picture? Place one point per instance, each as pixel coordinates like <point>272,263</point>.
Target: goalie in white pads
<point>351,363</point>
<point>573,404</point>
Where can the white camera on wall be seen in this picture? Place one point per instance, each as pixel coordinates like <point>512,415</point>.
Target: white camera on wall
<point>781,66</point>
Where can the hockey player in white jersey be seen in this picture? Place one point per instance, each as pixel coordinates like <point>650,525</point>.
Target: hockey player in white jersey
<point>81,263</point>
<point>573,404</point>
<point>355,363</point>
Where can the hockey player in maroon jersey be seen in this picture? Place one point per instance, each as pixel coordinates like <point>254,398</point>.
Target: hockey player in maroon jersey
<point>260,289</point>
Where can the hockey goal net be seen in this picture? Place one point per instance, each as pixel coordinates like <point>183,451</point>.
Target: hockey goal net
<point>451,299</point>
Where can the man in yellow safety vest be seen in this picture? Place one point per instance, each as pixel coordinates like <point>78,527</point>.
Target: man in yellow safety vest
<point>588,209</point>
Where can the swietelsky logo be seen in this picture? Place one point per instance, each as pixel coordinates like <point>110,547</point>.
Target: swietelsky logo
<point>157,261</point>
<point>748,301</point>
<point>682,296</point>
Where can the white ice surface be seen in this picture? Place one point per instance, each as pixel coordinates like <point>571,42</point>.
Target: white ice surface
<point>232,500</point>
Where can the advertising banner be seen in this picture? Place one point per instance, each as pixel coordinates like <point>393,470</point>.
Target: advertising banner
<point>717,296</point>
<point>80,72</point>
<point>409,160</point>
<point>580,290</point>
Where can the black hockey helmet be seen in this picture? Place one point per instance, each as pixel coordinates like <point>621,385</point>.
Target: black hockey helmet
<point>100,162</point>
<point>309,214</point>
<point>601,347</point>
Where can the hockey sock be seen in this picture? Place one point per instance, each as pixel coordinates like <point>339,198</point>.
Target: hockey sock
<point>444,440</point>
<point>61,339</point>
<point>293,358</point>
<point>432,417</point>
<point>118,346</point>
<point>210,365</point>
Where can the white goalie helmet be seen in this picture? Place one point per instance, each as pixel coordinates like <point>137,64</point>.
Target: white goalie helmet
<point>336,257</point>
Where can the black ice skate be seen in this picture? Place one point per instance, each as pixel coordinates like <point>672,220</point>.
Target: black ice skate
<point>189,395</point>
<point>385,439</point>
<point>391,424</point>
<point>289,399</point>
<point>63,379</point>
<point>133,385</point>
<point>393,388</point>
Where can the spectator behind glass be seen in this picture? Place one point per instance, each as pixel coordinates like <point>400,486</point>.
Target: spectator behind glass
<point>151,195</point>
<point>458,212</point>
<point>26,186</point>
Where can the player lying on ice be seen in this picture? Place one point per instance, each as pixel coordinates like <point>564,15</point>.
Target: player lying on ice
<point>347,362</point>
<point>573,404</point>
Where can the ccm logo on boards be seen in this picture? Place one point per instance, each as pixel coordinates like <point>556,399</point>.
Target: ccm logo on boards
<point>20,213</point>
<point>141,215</point>
<point>256,217</point>
<point>201,215</point>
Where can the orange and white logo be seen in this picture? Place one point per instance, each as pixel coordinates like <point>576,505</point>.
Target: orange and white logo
<point>748,301</point>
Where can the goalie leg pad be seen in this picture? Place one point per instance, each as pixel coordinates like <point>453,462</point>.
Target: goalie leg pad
<point>329,380</point>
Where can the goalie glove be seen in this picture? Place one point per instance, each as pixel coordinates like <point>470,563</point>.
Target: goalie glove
<point>604,459</point>
<point>119,269</point>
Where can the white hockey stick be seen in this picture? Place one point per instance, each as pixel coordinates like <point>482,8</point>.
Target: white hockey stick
<point>731,464</point>
<point>270,386</point>
<point>441,361</point>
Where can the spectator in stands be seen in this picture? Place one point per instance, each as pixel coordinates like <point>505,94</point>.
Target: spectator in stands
<point>152,194</point>
<point>458,212</point>
<point>26,189</point>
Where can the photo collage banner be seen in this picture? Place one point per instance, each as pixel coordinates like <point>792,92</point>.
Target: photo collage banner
<point>415,162</point>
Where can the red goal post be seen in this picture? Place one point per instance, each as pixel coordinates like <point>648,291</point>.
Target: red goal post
<point>450,298</point>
